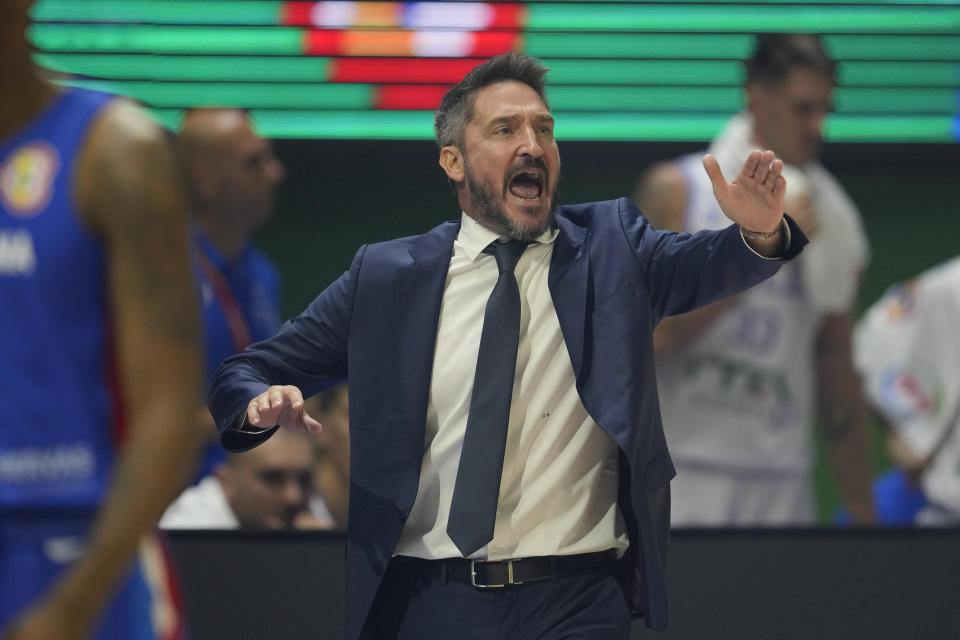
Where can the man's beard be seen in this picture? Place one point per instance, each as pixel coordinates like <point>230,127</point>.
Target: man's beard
<point>489,213</point>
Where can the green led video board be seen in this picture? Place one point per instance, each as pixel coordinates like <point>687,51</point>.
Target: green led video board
<point>619,70</point>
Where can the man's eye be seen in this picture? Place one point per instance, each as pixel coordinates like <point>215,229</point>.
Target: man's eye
<point>504,130</point>
<point>272,478</point>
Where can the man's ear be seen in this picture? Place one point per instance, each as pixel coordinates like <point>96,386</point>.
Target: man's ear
<point>756,95</point>
<point>205,182</point>
<point>451,159</point>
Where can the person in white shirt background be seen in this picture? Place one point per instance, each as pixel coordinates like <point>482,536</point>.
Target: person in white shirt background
<point>742,381</point>
<point>269,487</point>
<point>906,350</point>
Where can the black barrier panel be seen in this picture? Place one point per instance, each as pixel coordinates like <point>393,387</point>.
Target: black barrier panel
<point>724,584</point>
<point>261,586</point>
<point>814,584</point>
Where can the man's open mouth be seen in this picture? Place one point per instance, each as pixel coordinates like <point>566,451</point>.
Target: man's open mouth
<point>528,184</point>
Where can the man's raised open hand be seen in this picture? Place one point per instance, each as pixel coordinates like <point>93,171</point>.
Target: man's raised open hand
<point>281,405</point>
<point>754,199</point>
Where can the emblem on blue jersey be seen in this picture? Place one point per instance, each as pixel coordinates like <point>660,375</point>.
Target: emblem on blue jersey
<point>27,176</point>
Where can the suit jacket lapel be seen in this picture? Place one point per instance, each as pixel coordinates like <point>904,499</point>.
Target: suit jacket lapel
<point>419,294</point>
<point>569,275</point>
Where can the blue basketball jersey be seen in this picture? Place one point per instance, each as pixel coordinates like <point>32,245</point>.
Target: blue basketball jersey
<point>252,290</point>
<point>59,410</point>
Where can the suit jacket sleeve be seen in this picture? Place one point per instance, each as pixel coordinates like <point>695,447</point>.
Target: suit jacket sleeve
<point>685,271</point>
<point>308,352</point>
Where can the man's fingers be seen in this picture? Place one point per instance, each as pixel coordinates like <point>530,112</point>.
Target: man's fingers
<point>311,425</point>
<point>751,164</point>
<point>275,397</point>
<point>271,406</point>
<point>776,167</point>
<point>763,167</point>
<point>253,412</point>
<point>713,171</point>
<point>293,397</point>
<point>287,417</point>
<point>780,188</point>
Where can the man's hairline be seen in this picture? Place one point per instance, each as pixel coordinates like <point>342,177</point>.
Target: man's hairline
<point>793,68</point>
<point>470,112</point>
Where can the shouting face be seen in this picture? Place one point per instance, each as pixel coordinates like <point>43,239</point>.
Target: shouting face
<point>508,172</point>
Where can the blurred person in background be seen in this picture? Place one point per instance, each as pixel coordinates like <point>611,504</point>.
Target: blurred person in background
<point>269,487</point>
<point>100,353</point>
<point>232,176</point>
<point>907,352</point>
<point>742,381</point>
<point>331,473</point>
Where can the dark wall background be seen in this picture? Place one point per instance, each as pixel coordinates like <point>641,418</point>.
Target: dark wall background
<point>342,194</point>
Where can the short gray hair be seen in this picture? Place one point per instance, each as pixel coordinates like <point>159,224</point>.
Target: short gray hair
<point>456,108</point>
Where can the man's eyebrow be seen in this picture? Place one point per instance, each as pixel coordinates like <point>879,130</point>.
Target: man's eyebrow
<point>506,119</point>
<point>503,119</point>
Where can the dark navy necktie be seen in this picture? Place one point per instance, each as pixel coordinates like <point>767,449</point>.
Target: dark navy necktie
<point>473,510</point>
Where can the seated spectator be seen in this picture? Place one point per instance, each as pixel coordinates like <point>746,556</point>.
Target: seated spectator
<point>910,362</point>
<point>270,487</point>
<point>331,471</point>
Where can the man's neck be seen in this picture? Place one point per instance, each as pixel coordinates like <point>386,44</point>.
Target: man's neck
<point>23,93</point>
<point>228,239</point>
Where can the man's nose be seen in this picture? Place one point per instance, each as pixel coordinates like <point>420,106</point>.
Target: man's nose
<point>294,492</point>
<point>529,143</point>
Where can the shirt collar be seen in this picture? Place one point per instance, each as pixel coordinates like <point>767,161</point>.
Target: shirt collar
<point>474,237</point>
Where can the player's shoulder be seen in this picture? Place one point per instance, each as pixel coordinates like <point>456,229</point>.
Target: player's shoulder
<point>124,126</point>
<point>126,161</point>
<point>663,190</point>
<point>663,181</point>
<point>942,279</point>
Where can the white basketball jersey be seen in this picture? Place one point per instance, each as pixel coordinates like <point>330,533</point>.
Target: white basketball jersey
<point>741,394</point>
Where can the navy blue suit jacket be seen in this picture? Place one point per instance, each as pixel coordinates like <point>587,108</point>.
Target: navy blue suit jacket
<point>612,278</point>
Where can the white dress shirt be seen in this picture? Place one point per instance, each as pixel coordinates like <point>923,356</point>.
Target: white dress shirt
<point>558,492</point>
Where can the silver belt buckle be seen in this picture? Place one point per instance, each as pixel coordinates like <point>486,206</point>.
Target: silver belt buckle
<point>473,576</point>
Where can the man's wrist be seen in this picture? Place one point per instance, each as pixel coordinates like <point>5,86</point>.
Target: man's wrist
<point>770,246</point>
<point>244,426</point>
<point>761,235</point>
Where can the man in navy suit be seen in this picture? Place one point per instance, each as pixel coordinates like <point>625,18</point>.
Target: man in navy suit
<point>575,540</point>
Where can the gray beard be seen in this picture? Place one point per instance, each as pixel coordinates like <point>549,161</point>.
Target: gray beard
<point>488,213</point>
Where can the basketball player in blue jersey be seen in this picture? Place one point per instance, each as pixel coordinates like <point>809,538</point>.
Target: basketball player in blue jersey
<point>99,344</point>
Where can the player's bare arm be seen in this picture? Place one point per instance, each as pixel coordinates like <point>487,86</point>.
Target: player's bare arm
<point>842,416</point>
<point>128,191</point>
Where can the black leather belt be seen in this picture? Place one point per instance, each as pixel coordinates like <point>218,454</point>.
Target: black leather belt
<point>486,575</point>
